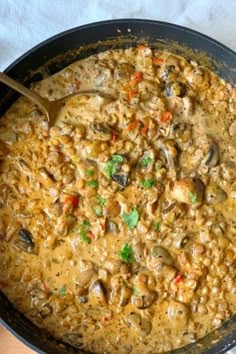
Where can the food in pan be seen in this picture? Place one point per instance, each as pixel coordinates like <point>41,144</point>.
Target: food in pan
<point>118,225</point>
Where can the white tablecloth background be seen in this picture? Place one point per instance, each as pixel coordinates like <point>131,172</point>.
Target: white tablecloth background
<point>25,23</point>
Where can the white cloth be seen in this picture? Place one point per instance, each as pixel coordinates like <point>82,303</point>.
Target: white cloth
<point>25,23</point>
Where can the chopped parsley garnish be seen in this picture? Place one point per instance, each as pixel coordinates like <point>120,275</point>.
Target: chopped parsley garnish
<point>98,210</point>
<point>156,226</point>
<point>112,165</point>
<point>147,183</point>
<point>84,231</point>
<point>146,161</point>
<point>75,229</point>
<point>101,200</point>
<point>127,254</point>
<point>62,291</point>
<point>135,290</point>
<point>131,219</point>
<point>84,236</point>
<point>93,183</point>
<point>86,223</point>
<point>89,172</point>
<point>193,197</point>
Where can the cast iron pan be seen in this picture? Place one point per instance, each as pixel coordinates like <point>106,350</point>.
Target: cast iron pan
<point>61,50</point>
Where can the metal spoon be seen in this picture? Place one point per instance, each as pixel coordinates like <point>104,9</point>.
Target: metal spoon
<point>50,108</point>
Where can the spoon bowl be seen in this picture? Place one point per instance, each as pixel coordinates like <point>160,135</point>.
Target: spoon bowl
<point>50,108</point>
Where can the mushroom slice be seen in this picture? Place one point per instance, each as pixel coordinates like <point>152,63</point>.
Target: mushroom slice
<point>125,295</point>
<point>98,291</point>
<point>212,156</point>
<point>214,194</point>
<point>139,324</point>
<point>178,313</point>
<point>144,298</point>
<point>83,278</point>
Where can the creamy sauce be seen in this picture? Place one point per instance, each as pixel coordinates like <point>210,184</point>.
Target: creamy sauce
<point>117,225</point>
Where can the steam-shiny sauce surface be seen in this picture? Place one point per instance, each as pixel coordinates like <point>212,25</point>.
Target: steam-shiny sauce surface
<point>118,224</point>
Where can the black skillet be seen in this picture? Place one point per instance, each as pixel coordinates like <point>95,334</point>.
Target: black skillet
<point>61,50</point>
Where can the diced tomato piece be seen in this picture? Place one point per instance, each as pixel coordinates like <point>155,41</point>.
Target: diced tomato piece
<point>113,137</point>
<point>178,279</point>
<point>132,125</point>
<point>136,78</point>
<point>144,130</point>
<point>90,235</point>
<point>166,117</point>
<point>158,60</point>
<point>72,199</point>
<point>131,94</point>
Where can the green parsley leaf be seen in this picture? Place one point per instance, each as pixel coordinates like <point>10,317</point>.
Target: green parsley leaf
<point>127,254</point>
<point>98,210</point>
<point>93,183</point>
<point>193,197</point>
<point>62,291</point>
<point>147,183</point>
<point>146,161</point>
<point>112,165</point>
<point>84,237</point>
<point>131,219</point>
<point>101,200</point>
<point>135,290</point>
<point>156,226</point>
<point>86,224</point>
<point>89,172</point>
<point>117,158</point>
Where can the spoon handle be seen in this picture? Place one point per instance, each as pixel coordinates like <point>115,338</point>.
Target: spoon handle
<point>33,96</point>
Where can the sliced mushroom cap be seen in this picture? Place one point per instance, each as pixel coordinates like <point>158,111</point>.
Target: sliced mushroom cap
<point>138,250</point>
<point>144,298</point>
<point>111,208</point>
<point>141,325</point>
<point>212,155</point>
<point>98,291</point>
<point>112,227</point>
<point>122,180</point>
<point>178,313</point>
<point>83,278</point>
<point>214,194</point>
<point>125,296</point>
<point>25,242</point>
<point>188,191</point>
<point>161,255</point>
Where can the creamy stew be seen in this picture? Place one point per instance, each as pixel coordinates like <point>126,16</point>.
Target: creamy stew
<point>118,224</point>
